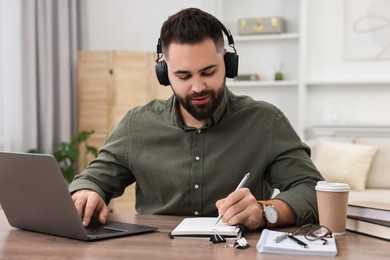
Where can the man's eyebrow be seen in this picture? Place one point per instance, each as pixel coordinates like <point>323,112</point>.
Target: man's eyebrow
<point>182,72</point>
<point>189,72</point>
<point>208,67</point>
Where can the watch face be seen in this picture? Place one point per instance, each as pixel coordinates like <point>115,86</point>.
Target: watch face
<point>271,214</point>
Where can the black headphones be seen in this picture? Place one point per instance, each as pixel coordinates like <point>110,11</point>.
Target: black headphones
<point>231,61</point>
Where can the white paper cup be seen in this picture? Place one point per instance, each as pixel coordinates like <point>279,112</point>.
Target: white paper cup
<point>332,200</point>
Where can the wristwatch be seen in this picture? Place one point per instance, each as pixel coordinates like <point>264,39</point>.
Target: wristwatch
<point>269,212</point>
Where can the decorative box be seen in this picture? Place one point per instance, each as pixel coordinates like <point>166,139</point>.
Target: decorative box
<point>266,25</point>
<point>247,77</point>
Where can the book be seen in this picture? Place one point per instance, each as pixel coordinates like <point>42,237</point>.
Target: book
<point>204,227</point>
<point>375,228</point>
<point>373,210</point>
<point>267,245</point>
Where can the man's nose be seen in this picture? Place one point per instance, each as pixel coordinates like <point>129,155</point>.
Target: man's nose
<point>198,85</point>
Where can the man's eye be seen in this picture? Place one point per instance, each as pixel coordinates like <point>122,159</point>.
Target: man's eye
<point>208,73</point>
<point>184,77</point>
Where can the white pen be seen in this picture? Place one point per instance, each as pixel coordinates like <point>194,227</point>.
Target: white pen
<point>242,183</point>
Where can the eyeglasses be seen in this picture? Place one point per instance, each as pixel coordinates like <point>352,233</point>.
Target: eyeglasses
<point>313,232</point>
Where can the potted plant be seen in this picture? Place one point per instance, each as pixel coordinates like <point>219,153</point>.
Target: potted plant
<point>67,154</point>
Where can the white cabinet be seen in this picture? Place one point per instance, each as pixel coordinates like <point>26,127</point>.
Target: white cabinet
<point>264,54</point>
<point>320,86</point>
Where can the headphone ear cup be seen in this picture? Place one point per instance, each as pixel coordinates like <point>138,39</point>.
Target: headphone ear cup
<point>231,64</point>
<point>162,73</point>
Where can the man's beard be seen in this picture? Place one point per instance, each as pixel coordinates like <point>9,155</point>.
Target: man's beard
<point>203,111</point>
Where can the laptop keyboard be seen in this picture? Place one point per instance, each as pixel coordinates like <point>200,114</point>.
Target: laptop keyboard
<point>100,230</point>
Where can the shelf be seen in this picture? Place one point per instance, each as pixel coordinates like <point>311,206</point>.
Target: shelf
<point>283,83</point>
<point>347,82</point>
<point>258,51</point>
<point>351,130</point>
<point>266,37</point>
<point>316,88</point>
<point>378,127</point>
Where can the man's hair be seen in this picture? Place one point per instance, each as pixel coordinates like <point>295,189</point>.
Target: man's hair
<point>191,26</point>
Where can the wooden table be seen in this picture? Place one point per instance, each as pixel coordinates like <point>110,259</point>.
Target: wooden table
<point>19,244</point>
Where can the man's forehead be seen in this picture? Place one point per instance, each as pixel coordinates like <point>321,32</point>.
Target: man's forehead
<point>201,54</point>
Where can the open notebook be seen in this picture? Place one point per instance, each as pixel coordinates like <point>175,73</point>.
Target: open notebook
<point>204,227</point>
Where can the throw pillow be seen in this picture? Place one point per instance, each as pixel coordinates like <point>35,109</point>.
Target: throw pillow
<point>344,162</point>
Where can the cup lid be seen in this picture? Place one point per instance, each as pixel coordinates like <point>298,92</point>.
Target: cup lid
<point>332,186</point>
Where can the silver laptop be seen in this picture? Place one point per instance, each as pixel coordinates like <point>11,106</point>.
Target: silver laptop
<point>35,197</point>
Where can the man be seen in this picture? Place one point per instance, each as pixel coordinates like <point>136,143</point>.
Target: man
<point>187,154</point>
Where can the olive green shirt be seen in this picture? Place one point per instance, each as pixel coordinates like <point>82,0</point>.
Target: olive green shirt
<point>183,170</point>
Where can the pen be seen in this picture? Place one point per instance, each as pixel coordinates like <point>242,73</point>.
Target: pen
<point>298,241</point>
<point>280,238</point>
<point>240,185</point>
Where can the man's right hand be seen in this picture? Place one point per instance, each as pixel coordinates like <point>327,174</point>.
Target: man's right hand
<point>88,203</point>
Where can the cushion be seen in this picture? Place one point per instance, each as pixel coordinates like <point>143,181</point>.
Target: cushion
<point>344,162</point>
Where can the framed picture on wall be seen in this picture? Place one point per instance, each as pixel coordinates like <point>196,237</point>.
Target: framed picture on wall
<point>366,30</point>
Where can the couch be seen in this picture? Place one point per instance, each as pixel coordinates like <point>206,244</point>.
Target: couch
<point>357,155</point>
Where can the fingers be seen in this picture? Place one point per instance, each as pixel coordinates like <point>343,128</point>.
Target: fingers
<point>89,209</point>
<point>240,207</point>
<point>230,203</point>
<point>103,213</point>
<point>220,206</point>
<point>88,202</point>
<point>79,200</point>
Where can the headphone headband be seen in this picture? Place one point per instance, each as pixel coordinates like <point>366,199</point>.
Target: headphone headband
<point>228,35</point>
<point>227,32</point>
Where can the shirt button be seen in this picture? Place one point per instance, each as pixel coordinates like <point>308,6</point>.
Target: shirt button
<point>196,213</point>
<point>196,186</point>
<point>199,131</point>
<point>197,158</point>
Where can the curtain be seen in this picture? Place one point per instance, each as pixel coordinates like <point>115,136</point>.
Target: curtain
<point>51,35</point>
<point>10,74</point>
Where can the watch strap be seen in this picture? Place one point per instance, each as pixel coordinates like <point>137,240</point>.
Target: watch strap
<point>265,202</point>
